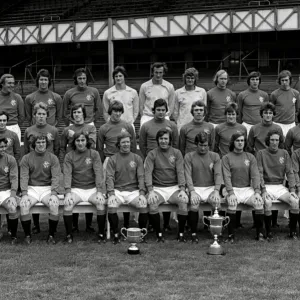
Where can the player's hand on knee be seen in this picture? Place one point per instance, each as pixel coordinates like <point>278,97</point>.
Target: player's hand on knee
<point>232,200</point>
<point>142,201</point>
<point>12,202</point>
<point>112,200</point>
<point>294,196</point>
<point>258,199</point>
<point>25,201</point>
<point>152,198</point>
<point>215,198</point>
<point>100,198</point>
<point>53,200</point>
<point>267,197</point>
<point>183,197</point>
<point>195,198</point>
<point>68,201</point>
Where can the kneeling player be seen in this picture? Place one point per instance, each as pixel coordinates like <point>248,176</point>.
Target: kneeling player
<point>40,171</point>
<point>203,177</point>
<point>239,173</point>
<point>274,164</point>
<point>8,187</point>
<point>83,178</point>
<point>165,181</point>
<point>125,182</point>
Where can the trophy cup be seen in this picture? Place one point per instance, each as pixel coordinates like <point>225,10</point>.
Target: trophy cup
<point>134,236</point>
<point>216,227</point>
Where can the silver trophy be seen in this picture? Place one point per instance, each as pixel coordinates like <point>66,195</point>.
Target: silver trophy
<point>134,235</point>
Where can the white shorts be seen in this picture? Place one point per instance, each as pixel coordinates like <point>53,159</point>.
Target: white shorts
<point>145,119</point>
<point>204,192</point>
<point>39,192</point>
<point>16,129</point>
<point>286,127</point>
<point>84,195</point>
<point>248,127</point>
<point>243,194</point>
<point>166,192</point>
<point>127,197</point>
<point>4,195</point>
<point>276,190</point>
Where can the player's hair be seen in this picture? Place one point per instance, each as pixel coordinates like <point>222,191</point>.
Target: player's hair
<point>218,74</point>
<point>2,112</point>
<point>158,103</point>
<point>4,140</point>
<point>3,78</point>
<point>77,106</point>
<point>77,73</point>
<point>234,137</point>
<point>159,65</point>
<point>40,137</point>
<point>270,133</point>
<point>231,107</point>
<point>190,72</point>
<point>198,103</point>
<point>119,69</point>
<point>267,106</point>
<point>201,137</point>
<point>42,73</point>
<point>254,74</point>
<point>163,131</point>
<point>115,105</point>
<point>77,135</point>
<point>284,73</point>
<point>121,136</point>
<point>40,105</point>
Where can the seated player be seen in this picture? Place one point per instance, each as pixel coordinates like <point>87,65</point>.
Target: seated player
<point>8,188</point>
<point>125,183</point>
<point>165,181</point>
<point>203,176</point>
<point>40,172</point>
<point>83,180</point>
<point>241,178</point>
<point>274,164</point>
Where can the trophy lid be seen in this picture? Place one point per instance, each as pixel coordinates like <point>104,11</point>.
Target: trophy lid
<point>134,229</point>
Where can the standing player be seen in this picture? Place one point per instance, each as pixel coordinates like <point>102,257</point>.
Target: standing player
<point>12,103</point>
<point>165,182</point>
<point>292,139</point>
<point>274,164</point>
<point>156,88</point>
<point>218,98</point>
<point>123,93</point>
<point>250,100</point>
<point>43,94</point>
<point>186,96</point>
<point>82,93</point>
<point>125,184</point>
<point>203,176</point>
<point>40,172</point>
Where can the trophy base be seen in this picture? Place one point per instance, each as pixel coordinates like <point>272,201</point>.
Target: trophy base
<point>216,250</point>
<point>133,250</point>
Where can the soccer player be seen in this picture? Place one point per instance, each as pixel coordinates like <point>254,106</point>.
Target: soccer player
<point>191,129</point>
<point>83,180</point>
<point>286,101</point>
<point>241,178</point>
<point>274,164</point>
<point>125,184</point>
<point>12,103</point>
<point>82,93</point>
<point>40,172</point>
<point>186,96</point>
<point>156,88</point>
<point>292,139</point>
<point>250,100</point>
<point>218,97</point>
<point>165,182</point>
<point>78,115</point>
<point>8,188</point>
<point>43,94</point>
<point>203,176</point>
<point>123,93</point>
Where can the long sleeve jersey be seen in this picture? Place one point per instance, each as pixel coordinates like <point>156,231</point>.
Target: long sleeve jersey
<point>240,170</point>
<point>13,145</point>
<point>83,170</point>
<point>202,170</point>
<point>125,172</point>
<point>217,99</point>
<point>296,168</point>
<point>164,168</point>
<point>8,174</point>
<point>108,135</point>
<point>287,105</point>
<point>273,166</point>
<point>188,133</point>
<point>40,169</point>
<point>249,103</point>
<point>13,104</point>
<point>148,133</point>
<point>53,101</point>
<point>292,139</point>
<point>89,96</point>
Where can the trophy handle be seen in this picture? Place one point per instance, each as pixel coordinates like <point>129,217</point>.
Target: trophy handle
<point>203,220</point>
<point>227,221</point>
<point>122,229</point>
<point>146,232</point>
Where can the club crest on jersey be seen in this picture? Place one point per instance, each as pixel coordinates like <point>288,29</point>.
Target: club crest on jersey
<point>172,159</point>
<point>13,102</point>
<point>6,169</point>
<point>49,136</point>
<point>46,164</point>
<point>211,165</point>
<point>261,99</point>
<point>88,161</point>
<point>294,100</point>
<point>132,164</point>
<point>123,130</point>
<point>50,101</point>
<point>88,97</point>
<point>247,162</point>
<point>9,141</point>
<point>228,98</point>
<point>281,160</point>
<point>206,131</point>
